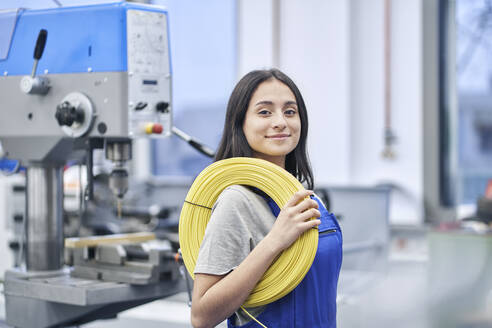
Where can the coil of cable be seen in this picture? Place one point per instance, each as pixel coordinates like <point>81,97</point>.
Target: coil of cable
<point>293,263</point>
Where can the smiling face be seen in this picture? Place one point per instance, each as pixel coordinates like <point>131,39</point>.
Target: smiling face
<point>272,124</point>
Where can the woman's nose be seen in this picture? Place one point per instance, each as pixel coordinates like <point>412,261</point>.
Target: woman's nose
<point>278,121</point>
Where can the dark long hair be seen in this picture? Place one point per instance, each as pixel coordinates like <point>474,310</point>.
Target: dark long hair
<point>234,143</point>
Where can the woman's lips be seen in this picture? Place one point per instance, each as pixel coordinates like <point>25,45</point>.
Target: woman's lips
<point>278,136</point>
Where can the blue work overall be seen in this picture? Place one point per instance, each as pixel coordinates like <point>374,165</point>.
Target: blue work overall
<point>313,302</point>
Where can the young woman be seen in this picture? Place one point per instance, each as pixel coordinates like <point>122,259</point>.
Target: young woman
<point>266,118</point>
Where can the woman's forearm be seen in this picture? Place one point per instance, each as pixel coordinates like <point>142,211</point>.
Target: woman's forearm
<point>217,300</point>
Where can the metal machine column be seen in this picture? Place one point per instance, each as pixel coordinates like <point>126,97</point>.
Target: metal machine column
<point>44,207</point>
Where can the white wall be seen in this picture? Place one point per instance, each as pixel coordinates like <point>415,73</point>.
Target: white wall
<point>255,35</point>
<point>367,102</point>
<point>334,51</point>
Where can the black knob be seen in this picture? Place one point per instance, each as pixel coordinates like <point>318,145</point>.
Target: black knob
<point>66,114</point>
<point>18,218</point>
<point>40,43</point>
<point>18,189</point>
<point>14,245</point>
<point>162,107</point>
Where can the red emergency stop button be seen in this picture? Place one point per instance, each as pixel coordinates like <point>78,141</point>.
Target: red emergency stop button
<point>157,128</point>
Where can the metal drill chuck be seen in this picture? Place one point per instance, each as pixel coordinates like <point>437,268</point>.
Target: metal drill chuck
<point>118,182</point>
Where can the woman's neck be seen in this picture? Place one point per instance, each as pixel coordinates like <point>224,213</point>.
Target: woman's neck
<point>278,160</point>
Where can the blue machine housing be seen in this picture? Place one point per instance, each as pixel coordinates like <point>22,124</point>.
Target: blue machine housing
<point>79,39</point>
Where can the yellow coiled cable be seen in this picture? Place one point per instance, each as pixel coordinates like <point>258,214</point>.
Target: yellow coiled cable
<point>293,263</point>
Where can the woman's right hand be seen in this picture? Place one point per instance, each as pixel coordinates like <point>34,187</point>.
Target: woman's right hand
<point>293,220</point>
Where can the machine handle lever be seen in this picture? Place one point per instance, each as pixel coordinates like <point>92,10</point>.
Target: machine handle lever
<point>194,143</point>
<point>38,50</point>
<point>40,43</point>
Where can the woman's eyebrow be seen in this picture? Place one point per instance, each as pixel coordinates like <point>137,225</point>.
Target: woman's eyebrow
<point>264,102</point>
<point>269,103</point>
<point>290,103</point>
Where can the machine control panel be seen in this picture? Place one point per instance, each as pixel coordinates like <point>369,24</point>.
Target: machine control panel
<point>149,74</point>
<point>112,83</point>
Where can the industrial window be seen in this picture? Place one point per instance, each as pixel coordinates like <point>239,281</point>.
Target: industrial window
<point>466,43</point>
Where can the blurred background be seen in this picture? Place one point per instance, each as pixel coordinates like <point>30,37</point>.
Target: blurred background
<point>399,97</point>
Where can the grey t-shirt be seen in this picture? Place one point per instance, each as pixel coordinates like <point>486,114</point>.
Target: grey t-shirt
<point>240,219</point>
